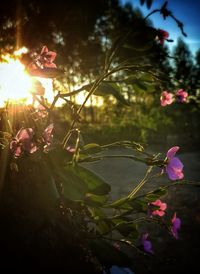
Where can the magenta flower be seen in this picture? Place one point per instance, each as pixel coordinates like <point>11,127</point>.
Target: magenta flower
<point>147,245</point>
<point>166,98</point>
<point>162,35</point>
<point>47,135</point>
<point>160,211</point>
<point>176,224</point>
<point>47,57</point>
<point>42,62</point>
<point>181,96</point>
<point>23,141</point>
<point>174,166</point>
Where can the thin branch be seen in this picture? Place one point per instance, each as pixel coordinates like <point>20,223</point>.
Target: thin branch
<point>152,12</point>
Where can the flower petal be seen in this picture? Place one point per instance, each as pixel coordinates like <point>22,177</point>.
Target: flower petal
<point>25,133</point>
<point>51,55</point>
<point>47,135</point>
<point>148,247</point>
<point>44,50</point>
<point>50,65</point>
<point>176,163</point>
<point>173,173</point>
<point>176,224</point>
<point>172,151</point>
<point>158,213</point>
<point>146,244</point>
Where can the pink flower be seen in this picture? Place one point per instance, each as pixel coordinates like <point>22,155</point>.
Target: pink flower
<point>147,245</point>
<point>174,166</point>
<point>166,98</point>
<point>47,58</point>
<point>162,35</point>
<point>181,95</point>
<point>43,62</point>
<point>23,142</point>
<point>176,224</point>
<point>47,135</point>
<point>161,210</point>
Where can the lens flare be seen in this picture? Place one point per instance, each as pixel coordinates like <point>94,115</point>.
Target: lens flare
<point>15,83</point>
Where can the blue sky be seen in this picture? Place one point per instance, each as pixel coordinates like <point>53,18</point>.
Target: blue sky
<point>187,11</point>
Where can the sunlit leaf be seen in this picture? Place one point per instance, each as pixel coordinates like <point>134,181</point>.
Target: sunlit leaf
<point>92,148</point>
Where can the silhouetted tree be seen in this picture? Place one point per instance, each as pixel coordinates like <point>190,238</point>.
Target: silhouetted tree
<point>196,70</point>
<point>183,65</point>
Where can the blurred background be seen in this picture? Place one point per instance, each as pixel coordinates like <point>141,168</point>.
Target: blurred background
<point>127,106</point>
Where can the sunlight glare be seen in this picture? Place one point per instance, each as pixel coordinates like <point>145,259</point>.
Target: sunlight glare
<point>15,83</point>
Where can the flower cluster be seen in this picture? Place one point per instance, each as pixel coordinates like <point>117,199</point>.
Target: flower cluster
<point>175,225</point>
<point>45,59</point>
<point>24,141</point>
<point>167,98</point>
<point>43,64</point>
<point>160,211</point>
<point>173,168</point>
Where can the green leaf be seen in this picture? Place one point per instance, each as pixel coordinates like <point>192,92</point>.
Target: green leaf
<point>107,88</point>
<point>104,226</point>
<point>74,188</point>
<point>96,213</point>
<point>138,205</point>
<point>120,203</point>
<point>57,157</point>
<point>87,181</point>
<point>92,148</point>
<point>95,200</point>
<point>128,230</point>
<point>155,194</point>
<point>95,184</point>
<point>108,255</point>
<point>146,77</point>
<point>140,84</point>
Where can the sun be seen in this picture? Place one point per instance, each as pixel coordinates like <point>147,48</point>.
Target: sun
<point>15,83</point>
<point>17,86</point>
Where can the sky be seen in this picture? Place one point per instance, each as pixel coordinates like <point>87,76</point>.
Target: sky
<point>187,11</point>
